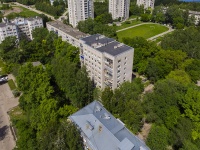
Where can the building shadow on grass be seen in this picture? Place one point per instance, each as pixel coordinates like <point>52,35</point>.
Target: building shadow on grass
<point>3,132</point>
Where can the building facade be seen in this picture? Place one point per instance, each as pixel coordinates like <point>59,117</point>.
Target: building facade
<point>119,9</point>
<point>146,3</point>
<point>80,10</point>
<point>20,27</point>
<point>196,16</point>
<point>8,29</point>
<point>102,131</point>
<point>67,33</point>
<point>25,26</point>
<point>108,62</point>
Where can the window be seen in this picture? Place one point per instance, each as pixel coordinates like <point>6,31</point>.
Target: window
<point>125,63</point>
<point>119,61</point>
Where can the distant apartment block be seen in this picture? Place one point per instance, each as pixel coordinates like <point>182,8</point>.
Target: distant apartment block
<point>51,2</point>
<point>80,10</point>
<point>8,29</point>
<point>196,15</point>
<point>100,130</point>
<point>20,27</point>
<point>69,34</point>
<point>146,3</point>
<point>108,62</point>
<point>119,9</point>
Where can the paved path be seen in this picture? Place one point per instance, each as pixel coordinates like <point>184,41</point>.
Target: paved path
<point>35,10</point>
<point>161,34</point>
<point>7,101</point>
<point>134,26</point>
<point>63,16</point>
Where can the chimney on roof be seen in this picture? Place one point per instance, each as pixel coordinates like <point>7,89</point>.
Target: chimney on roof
<point>100,128</point>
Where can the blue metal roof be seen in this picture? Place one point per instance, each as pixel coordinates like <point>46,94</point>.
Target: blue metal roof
<point>104,131</point>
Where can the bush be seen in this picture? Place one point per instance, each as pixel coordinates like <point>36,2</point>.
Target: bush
<point>16,93</point>
<point>127,22</point>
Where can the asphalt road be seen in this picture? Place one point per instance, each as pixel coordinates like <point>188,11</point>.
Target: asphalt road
<point>35,10</point>
<point>7,101</point>
<point>40,12</point>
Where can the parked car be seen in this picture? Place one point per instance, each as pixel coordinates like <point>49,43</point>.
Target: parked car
<point>3,78</point>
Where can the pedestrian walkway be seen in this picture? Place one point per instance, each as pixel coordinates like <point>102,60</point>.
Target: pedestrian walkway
<point>161,34</point>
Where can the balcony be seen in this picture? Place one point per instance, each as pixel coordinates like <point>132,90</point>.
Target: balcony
<point>107,83</point>
<point>108,77</point>
<point>108,69</point>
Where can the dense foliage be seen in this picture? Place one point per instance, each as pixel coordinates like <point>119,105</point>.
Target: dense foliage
<point>56,10</point>
<point>178,114</point>
<point>51,92</point>
<point>125,102</point>
<point>93,26</point>
<point>100,8</point>
<point>186,40</point>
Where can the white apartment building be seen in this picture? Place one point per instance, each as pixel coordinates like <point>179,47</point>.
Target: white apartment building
<point>69,34</point>
<point>196,16</point>
<point>146,3</point>
<point>25,26</point>
<point>119,9</point>
<point>108,62</point>
<point>80,10</point>
<point>8,29</point>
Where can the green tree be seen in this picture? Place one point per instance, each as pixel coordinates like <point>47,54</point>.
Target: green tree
<point>179,76</point>
<point>158,138</point>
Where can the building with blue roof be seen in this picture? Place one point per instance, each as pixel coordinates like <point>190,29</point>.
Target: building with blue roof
<point>102,131</point>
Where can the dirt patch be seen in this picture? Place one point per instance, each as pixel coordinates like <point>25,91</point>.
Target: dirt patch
<point>13,10</point>
<point>145,131</point>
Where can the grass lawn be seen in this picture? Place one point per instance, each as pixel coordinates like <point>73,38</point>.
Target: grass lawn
<point>134,22</point>
<point>16,113</point>
<point>11,84</point>
<point>146,31</point>
<point>25,13</point>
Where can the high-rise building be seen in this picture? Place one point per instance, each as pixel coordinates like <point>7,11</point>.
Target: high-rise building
<point>108,62</point>
<point>146,3</point>
<point>119,9</point>
<point>80,10</point>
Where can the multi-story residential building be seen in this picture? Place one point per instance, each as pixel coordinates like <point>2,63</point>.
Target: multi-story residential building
<point>80,10</point>
<point>146,3</point>
<point>196,16</point>
<point>67,33</point>
<point>25,26</point>
<point>100,130</point>
<point>8,29</point>
<point>108,62</point>
<point>119,9</point>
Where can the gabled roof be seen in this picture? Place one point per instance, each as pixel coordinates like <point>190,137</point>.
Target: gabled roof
<point>104,131</point>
